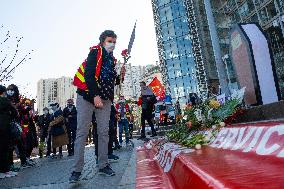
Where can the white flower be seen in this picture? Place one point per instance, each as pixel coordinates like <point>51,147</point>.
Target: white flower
<point>214,127</point>
<point>222,124</point>
<point>209,135</point>
<point>207,138</point>
<point>198,146</point>
<point>198,114</point>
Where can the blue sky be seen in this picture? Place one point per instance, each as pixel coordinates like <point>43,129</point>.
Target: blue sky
<point>61,31</point>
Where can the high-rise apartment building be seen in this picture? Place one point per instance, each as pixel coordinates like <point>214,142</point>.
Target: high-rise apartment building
<point>150,72</point>
<point>131,86</point>
<point>54,90</point>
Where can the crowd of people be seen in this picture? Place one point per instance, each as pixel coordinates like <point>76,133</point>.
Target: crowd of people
<point>17,131</point>
<point>22,130</point>
<point>96,114</point>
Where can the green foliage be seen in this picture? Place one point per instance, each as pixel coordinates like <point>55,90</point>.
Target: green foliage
<point>226,110</point>
<point>198,118</point>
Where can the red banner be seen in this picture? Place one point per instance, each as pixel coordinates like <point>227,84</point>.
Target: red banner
<point>244,156</point>
<point>158,88</point>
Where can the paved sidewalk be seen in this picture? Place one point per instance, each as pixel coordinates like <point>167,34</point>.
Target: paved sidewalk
<point>54,173</point>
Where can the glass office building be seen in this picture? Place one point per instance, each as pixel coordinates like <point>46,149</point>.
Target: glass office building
<point>177,61</point>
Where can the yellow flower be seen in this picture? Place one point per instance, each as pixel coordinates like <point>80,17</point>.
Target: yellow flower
<point>214,104</point>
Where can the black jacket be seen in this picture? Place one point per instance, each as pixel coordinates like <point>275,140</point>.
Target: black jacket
<point>104,87</point>
<point>7,113</point>
<point>43,124</point>
<point>148,102</point>
<point>71,116</point>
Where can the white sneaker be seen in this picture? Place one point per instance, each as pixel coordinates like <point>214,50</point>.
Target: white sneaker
<point>2,175</point>
<point>12,173</point>
<point>8,174</point>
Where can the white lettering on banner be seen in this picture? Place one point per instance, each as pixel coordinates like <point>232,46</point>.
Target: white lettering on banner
<point>254,140</point>
<point>261,149</point>
<point>220,138</point>
<point>167,154</point>
<point>262,139</point>
<point>241,142</point>
<point>163,150</point>
<point>167,151</point>
<point>150,144</point>
<point>281,154</point>
<point>170,160</point>
<point>233,133</point>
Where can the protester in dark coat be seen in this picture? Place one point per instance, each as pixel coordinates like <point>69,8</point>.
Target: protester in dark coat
<point>14,97</point>
<point>43,124</point>
<point>148,100</point>
<point>57,130</point>
<point>7,113</point>
<point>29,128</point>
<point>70,115</point>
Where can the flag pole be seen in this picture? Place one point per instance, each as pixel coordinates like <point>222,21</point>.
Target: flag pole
<point>126,56</point>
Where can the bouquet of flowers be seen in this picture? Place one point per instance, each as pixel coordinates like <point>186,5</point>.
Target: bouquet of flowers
<point>201,122</point>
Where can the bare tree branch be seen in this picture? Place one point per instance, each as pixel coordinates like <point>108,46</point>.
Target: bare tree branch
<point>9,64</point>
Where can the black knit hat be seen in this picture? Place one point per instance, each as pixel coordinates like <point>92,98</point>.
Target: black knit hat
<point>105,34</point>
<point>45,108</point>
<point>2,89</point>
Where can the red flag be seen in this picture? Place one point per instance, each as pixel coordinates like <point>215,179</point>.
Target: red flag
<point>158,88</point>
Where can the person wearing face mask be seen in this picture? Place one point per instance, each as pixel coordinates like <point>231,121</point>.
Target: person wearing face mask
<point>148,100</point>
<point>14,97</point>
<point>57,130</point>
<point>28,124</point>
<point>95,81</point>
<point>43,124</point>
<point>7,113</point>
<point>122,111</point>
<point>70,115</point>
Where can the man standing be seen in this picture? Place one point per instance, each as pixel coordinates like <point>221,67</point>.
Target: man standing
<point>112,122</point>
<point>148,101</point>
<point>43,124</point>
<point>70,115</point>
<point>122,111</point>
<point>95,81</point>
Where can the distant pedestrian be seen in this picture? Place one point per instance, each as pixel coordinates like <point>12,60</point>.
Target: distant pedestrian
<point>43,124</point>
<point>123,110</point>
<point>131,124</point>
<point>70,114</point>
<point>148,100</point>
<point>27,122</point>
<point>57,130</point>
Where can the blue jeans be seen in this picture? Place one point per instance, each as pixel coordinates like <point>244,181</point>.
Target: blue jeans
<point>123,125</point>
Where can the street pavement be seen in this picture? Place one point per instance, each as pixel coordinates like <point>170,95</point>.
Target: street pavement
<point>54,173</point>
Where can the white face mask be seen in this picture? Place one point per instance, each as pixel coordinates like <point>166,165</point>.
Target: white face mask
<point>46,112</point>
<point>109,47</point>
<point>10,92</point>
<point>54,108</point>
